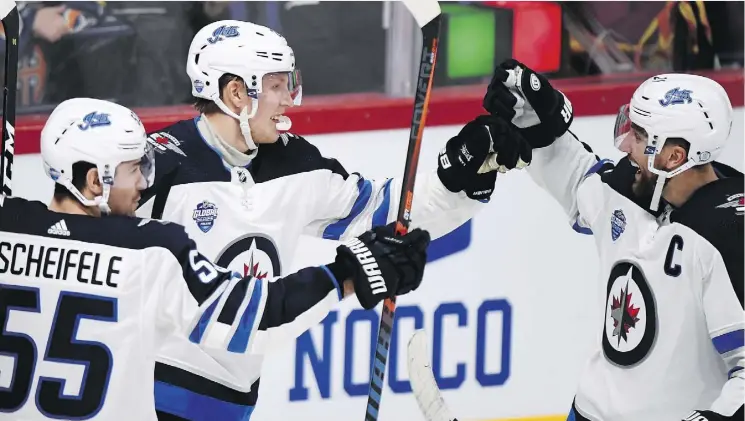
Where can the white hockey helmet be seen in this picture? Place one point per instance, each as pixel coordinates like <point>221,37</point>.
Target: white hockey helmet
<point>100,133</point>
<point>690,107</point>
<point>246,50</point>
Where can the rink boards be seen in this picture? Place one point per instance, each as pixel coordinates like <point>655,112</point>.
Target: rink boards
<point>510,300</point>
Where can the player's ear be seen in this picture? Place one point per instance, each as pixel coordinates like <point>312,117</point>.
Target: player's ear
<point>235,92</point>
<point>677,155</point>
<point>92,183</point>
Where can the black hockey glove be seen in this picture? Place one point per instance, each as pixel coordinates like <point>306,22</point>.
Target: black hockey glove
<point>469,160</point>
<point>382,265</point>
<point>528,101</point>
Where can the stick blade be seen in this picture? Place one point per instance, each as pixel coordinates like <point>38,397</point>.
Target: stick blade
<point>423,382</point>
<point>424,11</point>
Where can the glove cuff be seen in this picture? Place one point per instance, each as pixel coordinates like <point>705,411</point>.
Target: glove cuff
<point>563,112</point>
<point>339,270</point>
<point>346,267</point>
<point>342,268</point>
<point>452,182</point>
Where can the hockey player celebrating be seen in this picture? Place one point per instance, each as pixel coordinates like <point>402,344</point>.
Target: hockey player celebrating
<point>668,224</point>
<point>246,193</point>
<point>100,290</point>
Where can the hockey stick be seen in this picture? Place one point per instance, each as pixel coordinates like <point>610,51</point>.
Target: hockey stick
<point>10,19</point>
<point>427,15</point>
<point>422,380</point>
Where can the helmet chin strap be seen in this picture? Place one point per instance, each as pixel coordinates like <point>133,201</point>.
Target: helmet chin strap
<point>655,204</point>
<point>102,202</point>
<point>283,124</point>
<point>662,177</point>
<point>245,127</point>
<point>242,120</point>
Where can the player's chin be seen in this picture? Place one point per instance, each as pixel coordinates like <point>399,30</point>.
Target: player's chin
<point>268,134</point>
<point>127,210</point>
<point>643,184</point>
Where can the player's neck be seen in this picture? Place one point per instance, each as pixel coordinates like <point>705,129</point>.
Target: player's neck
<point>72,206</point>
<point>681,187</point>
<point>228,130</point>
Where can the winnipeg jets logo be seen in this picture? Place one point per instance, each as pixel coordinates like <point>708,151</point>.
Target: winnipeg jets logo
<point>624,314</point>
<point>630,323</point>
<point>676,96</point>
<point>251,255</point>
<point>94,119</point>
<point>253,268</point>
<point>223,32</point>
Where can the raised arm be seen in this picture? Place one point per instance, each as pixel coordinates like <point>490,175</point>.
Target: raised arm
<point>444,199</point>
<point>561,163</point>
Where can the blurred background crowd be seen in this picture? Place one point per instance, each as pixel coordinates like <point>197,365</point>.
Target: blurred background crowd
<point>134,52</point>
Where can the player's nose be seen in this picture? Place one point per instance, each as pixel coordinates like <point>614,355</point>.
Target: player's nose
<point>286,100</point>
<point>141,182</point>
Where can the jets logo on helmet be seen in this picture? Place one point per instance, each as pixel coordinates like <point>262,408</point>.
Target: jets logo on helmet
<point>689,107</point>
<point>94,119</point>
<point>248,51</point>
<point>98,132</point>
<point>676,96</point>
<point>223,32</point>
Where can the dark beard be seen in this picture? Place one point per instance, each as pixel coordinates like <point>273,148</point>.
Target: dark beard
<point>622,180</point>
<point>644,188</point>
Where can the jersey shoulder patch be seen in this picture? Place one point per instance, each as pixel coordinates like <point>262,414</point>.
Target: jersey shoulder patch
<point>175,139</point>
<point>164,142</point>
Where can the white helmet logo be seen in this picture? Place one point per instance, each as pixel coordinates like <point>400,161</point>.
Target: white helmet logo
<point>94,119</point>
<point>223,32</point>
<point>676,96</point>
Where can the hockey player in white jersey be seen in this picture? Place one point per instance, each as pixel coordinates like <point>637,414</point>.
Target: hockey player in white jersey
<point>87,294</point>
<point>668,224</point>
<point>246,193</point>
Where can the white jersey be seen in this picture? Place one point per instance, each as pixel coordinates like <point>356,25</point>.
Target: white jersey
<point>671,332</point>
<point>86,302</point>
<point>250,220</point>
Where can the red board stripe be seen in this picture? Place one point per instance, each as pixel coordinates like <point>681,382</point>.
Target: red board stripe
<point>590,96</point>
